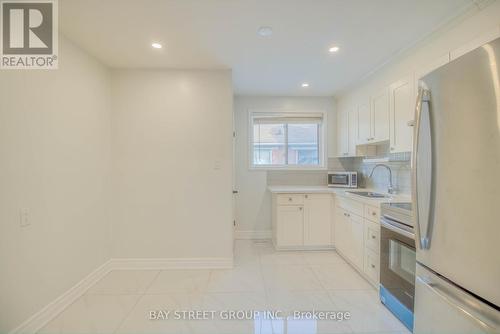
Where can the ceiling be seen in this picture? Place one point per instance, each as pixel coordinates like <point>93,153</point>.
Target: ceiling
<point>215,34</point>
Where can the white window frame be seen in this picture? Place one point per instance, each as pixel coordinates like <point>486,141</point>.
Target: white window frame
<point>322,137</point>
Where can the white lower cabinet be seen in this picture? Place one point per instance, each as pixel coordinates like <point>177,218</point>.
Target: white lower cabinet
<point>357,236</point>
<point>372,246</point>
<point>349,236</point>
<point>372,236</point>
<point>302,221</point>
<point>342,231</point>
<point>371,266</point>
<point>312,221</point>
<point>357,248</point>
<point>290,225</point>
<point>318,220</point>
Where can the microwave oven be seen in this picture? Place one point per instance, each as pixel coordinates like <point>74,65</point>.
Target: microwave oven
<point>343,179</point>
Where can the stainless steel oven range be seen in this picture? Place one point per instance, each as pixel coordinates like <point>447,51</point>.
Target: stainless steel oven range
<point>398,261</point>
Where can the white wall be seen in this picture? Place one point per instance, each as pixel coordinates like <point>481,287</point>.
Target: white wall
<point>171,128</point>
<point>453,36</point>
<point>253,204</point>
<point>54,160</point>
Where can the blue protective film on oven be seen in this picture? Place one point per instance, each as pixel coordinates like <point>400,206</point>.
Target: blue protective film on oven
<point>404,314</point>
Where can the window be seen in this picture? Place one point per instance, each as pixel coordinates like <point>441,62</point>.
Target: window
<point>286,140</point>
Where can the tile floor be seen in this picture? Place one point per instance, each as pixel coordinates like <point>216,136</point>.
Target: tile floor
<point>261,280</point>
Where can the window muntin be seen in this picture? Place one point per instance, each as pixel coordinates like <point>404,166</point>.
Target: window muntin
<point>289,141</point>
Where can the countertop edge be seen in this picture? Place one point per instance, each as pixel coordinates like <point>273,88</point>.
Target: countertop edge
<point>338,192</point>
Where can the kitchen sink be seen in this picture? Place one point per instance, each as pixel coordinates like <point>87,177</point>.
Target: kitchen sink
<point>368,194</point>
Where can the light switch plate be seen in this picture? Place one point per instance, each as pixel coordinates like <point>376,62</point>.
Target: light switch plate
<point>217,164</point>
<point>24,214</point>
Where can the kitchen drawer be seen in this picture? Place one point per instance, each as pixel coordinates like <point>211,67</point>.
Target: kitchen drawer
<point>350,205</point>
<point>372,236</point>
<point>372,266</point>
<point>372,213</point>
<point>291,199</point>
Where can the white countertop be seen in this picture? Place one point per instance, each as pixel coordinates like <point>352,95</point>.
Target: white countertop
<point>300,189</point>
<point>339,192</point>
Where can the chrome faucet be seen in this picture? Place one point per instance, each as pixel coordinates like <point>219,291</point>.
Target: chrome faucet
<point>390,189</point>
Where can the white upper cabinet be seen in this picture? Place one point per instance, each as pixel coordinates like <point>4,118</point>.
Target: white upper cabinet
<point>343,133</point>
<point>380,116</point>
<point>347,130</point>
<point>353,131</point>
<point>364,124</point>
<point>401,102</point>
<point>388,115</point>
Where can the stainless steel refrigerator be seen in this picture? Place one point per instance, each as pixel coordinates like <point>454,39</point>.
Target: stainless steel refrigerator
<point>456,196</point>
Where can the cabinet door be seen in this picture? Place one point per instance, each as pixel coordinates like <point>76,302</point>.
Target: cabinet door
<point>290,225</point>
<point>318,221</point>
<point>343,133</point>
<point>364,117</point>
<point>380,116</point>
<point>401,115</point>
<point>357,238</point>
<point>371,266</point>
<point>342,231</point>
<point>353,131</point>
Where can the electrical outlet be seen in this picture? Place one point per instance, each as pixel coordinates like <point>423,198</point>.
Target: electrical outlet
<point>24,215</point>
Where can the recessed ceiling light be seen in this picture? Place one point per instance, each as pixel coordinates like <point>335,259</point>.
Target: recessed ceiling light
<point>265,31</point>
<point>305,85</point>
<point>334,49</point>
<point>156,45</point>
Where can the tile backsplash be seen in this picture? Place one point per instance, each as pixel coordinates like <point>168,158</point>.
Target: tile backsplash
<point>400,166</point>
<point>399,163</point>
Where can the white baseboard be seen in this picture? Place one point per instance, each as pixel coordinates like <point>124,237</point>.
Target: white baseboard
<point>171,263</point>
<point>253,235</point>
<point>49,312</point>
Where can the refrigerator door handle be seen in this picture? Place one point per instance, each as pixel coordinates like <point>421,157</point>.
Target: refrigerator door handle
<point>423,236</point>
<point>485,316</point>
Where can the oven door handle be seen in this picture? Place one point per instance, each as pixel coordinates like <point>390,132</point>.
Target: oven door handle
<point>396,229</point>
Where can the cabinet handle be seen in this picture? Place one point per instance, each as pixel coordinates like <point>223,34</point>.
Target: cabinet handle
<point>373,266</point>
<point>300,208</point>
<point>289,199</point>
<point>373,237</point>
<point>307,196</point>
<point>392,148</point>
<point>374,213</point>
